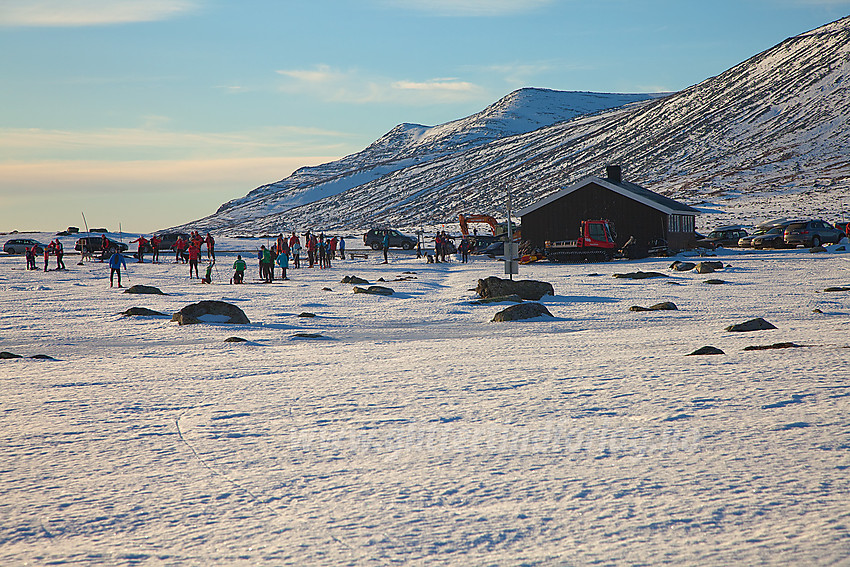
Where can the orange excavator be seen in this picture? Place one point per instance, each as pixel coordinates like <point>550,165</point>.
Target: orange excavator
<point>464,221</point>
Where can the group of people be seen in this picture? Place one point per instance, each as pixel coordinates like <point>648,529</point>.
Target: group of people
<point>285,251</point>
<point>185,249</point>
<point>53,249</point>
<point>443,247</point>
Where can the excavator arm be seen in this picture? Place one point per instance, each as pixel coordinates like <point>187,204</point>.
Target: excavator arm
<point>464,221</point>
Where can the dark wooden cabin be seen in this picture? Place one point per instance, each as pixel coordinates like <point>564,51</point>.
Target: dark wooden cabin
<point>634,211</point>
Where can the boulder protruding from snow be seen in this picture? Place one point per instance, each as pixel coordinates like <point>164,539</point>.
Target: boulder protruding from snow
<point>640,275</point>
<point>706,350</point>
<point>526,289</point>
<point>144,289</point>
<point>354,280</point>
<point>211,312</point>
<point>374,290</point>
<point>521,311</point>
<point>758,324</point>
<point>680,266</point>
<point>143,312</point>
<point>663,306</point>
<point>708,267</point>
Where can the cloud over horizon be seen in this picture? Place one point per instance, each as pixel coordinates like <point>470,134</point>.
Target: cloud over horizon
<point>470,8</point>
<point>79,13</point>
<point>355,87</point>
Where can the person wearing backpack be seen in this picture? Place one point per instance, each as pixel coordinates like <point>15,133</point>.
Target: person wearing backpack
<point>239,267</point>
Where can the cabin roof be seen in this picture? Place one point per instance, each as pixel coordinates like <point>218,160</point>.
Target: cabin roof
<point>624,188</point>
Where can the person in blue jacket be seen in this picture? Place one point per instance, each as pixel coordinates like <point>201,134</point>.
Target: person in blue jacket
<point>115,263</point>
<point>283,262</point>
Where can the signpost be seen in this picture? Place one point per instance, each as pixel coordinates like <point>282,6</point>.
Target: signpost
<point>511,248</point>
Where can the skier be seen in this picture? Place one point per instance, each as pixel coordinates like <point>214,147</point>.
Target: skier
<point>283,262</point>
<point>142,243</point>
<point>115,263</point>
<point>210,247</point>
<point>104,246</point>
<point>341,245</point>
<point>194,256</point>
<point>179,246</point>
<point>30,253</point>
<point>310,242</point>
<point>47,250</point>
<point>464,250</point>
<point>295,250</point>
<point>208,276</point>
<point>322,249</point>
<point>155,242</point>
<point>266,265</point>
<point>239,267</point>
<point>59,251</point>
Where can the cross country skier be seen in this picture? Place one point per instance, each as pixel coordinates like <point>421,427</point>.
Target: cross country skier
<point>142,243</point>
<point>210,247</point>
<point>115,263</point>
<point>59,251</point>
<point>155,242</point>
<point>194,256</point>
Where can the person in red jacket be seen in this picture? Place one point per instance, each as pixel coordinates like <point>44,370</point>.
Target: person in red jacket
<point>179,247</point>
<point>47,250</point>
<point>194,256</point>
<point>104,246</point>
<point>142,243</point>
<point>155,242</point>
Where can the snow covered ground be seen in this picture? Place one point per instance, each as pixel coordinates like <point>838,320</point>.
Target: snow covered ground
<point>416,431</point>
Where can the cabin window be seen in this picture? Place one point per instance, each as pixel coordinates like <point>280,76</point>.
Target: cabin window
<point>681,223</point>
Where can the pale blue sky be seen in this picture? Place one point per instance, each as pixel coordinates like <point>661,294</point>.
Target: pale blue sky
<point>154,112</point>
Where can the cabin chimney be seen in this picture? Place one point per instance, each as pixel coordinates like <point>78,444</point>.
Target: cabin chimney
<point>615,173</point>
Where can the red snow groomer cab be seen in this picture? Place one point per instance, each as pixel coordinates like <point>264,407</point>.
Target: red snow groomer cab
<point>596,244</point>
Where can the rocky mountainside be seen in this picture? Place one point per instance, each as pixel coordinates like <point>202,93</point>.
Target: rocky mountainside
<point>773,128</point>
<point>409,145</point>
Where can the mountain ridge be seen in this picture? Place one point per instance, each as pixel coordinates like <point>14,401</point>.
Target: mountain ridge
<point>773,125</point>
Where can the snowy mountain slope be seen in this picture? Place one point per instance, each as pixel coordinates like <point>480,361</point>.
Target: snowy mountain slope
<point>408,144</point>
<point>774,128</point>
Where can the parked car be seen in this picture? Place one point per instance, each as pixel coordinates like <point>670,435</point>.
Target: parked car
<point>811,233</point>
<point>722,236</point>
<point>375,239</point>
<point>773,238</point>
<point>20,245</point>
<point>93,244</point>
<point>168,240</point>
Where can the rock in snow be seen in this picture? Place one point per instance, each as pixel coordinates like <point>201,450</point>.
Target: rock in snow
<point>144,289</point>
<point>526,289</point>
<point>758,324</point>
<point>521,311</point>
<point>209,311</point>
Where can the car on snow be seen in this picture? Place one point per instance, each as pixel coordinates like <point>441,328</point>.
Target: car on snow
<point>20,245</point>
<point>811,233</point>
<point>722,236</point>
<point>773,238</point>
<point>375,239</point>
<point>169,239</point>
<point>93,245</point>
